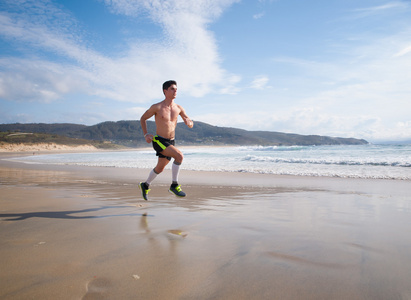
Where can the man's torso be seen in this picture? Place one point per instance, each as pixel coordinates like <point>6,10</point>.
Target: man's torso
<point>166,119</point>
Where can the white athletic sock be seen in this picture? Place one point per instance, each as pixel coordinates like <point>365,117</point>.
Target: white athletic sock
<point>175,169</point>
<point>151,176</point>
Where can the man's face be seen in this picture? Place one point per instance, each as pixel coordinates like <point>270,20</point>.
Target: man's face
<point>171,92</point>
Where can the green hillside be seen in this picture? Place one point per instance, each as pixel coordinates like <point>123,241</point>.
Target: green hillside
<point>129,133</point>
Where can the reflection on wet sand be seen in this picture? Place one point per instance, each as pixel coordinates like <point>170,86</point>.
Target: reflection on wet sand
<point>89,236</point>
<point>145,226</point>
<point>296,259</point>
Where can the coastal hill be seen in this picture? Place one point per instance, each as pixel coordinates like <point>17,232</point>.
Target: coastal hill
<point>129,133</point>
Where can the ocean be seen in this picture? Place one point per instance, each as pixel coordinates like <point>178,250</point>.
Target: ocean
<point>359,161</point>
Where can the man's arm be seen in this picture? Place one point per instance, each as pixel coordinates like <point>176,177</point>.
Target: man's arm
<point>185,118</point>
<point>143,121</point>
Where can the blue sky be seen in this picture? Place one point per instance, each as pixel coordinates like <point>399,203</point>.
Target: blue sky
<point>337,67</point>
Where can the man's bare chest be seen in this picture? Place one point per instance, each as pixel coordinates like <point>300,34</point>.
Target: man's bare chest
<point>168,115</point>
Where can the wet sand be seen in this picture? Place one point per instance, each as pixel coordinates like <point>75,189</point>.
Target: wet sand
<point>85,233</point>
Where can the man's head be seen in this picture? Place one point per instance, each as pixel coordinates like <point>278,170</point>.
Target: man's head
<point>169,83</point>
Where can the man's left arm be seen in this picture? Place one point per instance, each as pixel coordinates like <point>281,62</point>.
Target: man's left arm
<point>185,118</point>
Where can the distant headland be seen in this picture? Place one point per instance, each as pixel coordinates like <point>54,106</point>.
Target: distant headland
<point>108,135</point>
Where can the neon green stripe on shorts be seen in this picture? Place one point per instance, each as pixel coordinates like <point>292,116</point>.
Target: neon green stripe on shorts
<point>159,143</point>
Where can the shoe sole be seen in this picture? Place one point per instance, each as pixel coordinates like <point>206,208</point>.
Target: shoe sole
<point>176,194</point>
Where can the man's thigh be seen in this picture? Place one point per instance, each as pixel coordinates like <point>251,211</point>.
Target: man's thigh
<point>173,152</point>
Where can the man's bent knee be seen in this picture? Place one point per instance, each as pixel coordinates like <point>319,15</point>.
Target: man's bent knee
<point>179,158</point>
<point>174,153</point>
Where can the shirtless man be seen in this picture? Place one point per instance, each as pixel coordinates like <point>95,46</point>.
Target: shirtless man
<point>165,113</point>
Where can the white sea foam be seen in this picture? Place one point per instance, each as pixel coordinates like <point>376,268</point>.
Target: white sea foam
<point>365,161</point>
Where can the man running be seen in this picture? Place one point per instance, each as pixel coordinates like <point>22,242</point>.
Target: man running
<point>166,114</point>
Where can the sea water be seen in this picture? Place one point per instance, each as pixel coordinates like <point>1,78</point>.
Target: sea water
<point>359,161</point>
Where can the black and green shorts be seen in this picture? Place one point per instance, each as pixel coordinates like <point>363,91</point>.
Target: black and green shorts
<point>160,144</point>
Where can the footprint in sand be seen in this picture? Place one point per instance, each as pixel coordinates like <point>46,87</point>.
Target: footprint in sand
<point>97,288</point>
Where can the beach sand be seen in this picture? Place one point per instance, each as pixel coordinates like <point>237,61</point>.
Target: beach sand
<point>44,147</point>
<point>85,233</point>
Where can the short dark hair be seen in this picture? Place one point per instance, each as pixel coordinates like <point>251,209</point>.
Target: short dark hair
<point>168,83</point>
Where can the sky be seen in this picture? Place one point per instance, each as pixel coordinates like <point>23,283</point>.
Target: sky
<point>336,67</point>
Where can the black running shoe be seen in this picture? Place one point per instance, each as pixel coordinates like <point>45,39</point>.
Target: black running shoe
<point>144,190</point>
<point>176,190</point>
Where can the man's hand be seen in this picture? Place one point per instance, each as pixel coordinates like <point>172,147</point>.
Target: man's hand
<point>189,123</point>
<point>149,138</point>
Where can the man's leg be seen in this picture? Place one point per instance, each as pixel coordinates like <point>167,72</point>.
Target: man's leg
<point>172,151</point>
<point>175,170</point>
<point>151,176</point>
<point>161,164</point>
<point>175,153</point>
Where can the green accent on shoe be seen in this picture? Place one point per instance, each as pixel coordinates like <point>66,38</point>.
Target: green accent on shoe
<point>176,190</point>
<point>144,190</point>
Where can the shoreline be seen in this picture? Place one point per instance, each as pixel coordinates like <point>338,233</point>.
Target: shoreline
<point>84,232</point>
<point>220,176</point>
<point>53,148</point>
<point>223,174</point>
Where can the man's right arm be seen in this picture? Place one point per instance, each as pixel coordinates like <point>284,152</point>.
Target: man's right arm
<point>143,121</point>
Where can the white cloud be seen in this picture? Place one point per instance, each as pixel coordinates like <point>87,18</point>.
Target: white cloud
<point>231,86</point>
<point>161,11</point>
<point>259,83</point>
<point>187,53</point>
<point>403,51</point>
<point>258,16</point>
<point>382,8</point>
<point>131,113</point>
<point>312,120</point>
<point>364,93</point>
<point>37,80</point>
